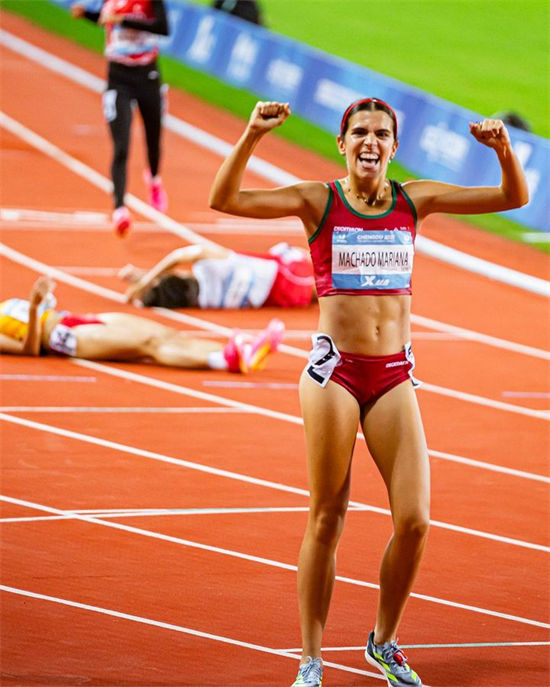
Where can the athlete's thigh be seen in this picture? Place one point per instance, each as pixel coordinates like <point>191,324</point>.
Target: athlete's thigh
<point>395,437</point>
<point>117,110</point>
<point>331,419</point>
<point>121,337</point>
<point>134,325</point>
<point>149,100</point>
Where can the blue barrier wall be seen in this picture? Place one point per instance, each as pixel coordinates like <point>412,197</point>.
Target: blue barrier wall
<point>434,137</point>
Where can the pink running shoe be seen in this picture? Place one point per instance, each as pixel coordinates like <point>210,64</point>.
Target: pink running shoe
<point>245,354</point>
<point>122,221</point>
<point>233,353</point>
<point>157,194</point>
<point>256,351</point>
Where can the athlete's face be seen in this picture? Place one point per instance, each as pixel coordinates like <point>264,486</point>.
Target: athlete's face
<point>368,143</point>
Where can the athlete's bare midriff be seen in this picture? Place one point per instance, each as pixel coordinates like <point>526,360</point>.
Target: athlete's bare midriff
<point>369,325</point>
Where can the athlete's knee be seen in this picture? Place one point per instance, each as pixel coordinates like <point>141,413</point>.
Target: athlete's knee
<point>327,522</point>
<point>413,525</point>
<point>120,153</point>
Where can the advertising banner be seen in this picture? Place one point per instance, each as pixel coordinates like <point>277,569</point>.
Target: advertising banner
<point>434,139</point>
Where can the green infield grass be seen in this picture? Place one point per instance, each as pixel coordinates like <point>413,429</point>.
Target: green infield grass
<point>485,55</point>
<point>284,16</point>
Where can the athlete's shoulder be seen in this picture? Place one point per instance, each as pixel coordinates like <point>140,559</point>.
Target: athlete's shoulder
<point>313,192</point>
<point>419,188</point>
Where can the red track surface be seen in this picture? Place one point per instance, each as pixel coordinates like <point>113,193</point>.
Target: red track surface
<point>230,574</point>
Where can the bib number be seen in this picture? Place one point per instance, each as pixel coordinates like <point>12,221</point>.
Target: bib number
<point>63,340</point>
<point>323,358</point>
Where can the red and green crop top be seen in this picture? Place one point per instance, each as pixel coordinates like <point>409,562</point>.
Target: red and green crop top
<point>359,255</point>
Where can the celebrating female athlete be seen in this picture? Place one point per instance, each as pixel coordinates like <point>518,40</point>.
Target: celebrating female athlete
<point>361,230</point>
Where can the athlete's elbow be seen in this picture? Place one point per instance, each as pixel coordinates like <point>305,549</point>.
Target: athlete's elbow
<point>215,204</point>
<point>216,201</point>
<point>516,199</point>
<point>220,203</point>
<point>524,198</point>
<point>519,200</point>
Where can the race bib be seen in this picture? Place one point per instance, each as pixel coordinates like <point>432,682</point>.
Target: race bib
<point>322,359</point>
<point>409,355</point>
<point>371,259</point>
<point>63,340</point>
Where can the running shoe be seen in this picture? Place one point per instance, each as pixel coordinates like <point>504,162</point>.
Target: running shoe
<point>256,351</point>
<point>157,195</point>
<point>310,674</point>
<point>392,663</point>
<point>122,221</point>
<point>233,353</point>
<point>245,354</point>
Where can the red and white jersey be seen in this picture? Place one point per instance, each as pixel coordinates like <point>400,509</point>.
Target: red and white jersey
<point>132,47</point>
<point>356,254</point>
<point>238,281</point>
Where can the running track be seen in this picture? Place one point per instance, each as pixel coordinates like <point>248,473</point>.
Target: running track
<point>151,518</point>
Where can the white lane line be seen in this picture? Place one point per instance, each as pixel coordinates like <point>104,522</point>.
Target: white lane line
<point>41,427</point>
<point>40,267</point>
<point>159,512</point>
<point>45,378</point>
<point>90,519</point>
<point>466,645</point>
<point>79,217</point>
<point>98,180</point>
<point>90,271</point>
<point>274,174</point>
<point>170,314</point>
<point>249,385</point>
<point>450,457</point>
<point>203,324</point>
<point>488,402</point>
<point>459,395</point>
<point>175,628</point>
<point>478,337</point>
<point>526,394</point>
<point>118,409</point>
<point>289,418</point>
<point>482,267</point>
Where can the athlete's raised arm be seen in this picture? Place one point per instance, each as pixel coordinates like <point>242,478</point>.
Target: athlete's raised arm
<point>227,195</point>
<point>435,196</point>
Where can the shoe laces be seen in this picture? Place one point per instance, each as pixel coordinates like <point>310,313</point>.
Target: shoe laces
<point>392,653</point>
<point>312,670</point>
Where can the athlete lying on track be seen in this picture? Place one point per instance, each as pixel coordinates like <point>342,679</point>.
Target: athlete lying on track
<point>33,327</point>
<point>199,276</point>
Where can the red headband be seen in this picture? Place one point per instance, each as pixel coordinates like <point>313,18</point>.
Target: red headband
<point>367,100</point>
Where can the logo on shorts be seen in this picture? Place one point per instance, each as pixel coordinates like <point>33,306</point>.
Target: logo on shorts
<point>397,363</point>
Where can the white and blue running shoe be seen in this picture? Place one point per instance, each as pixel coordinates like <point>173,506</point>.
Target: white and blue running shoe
<point>310,674</point>
<point>392,663</point>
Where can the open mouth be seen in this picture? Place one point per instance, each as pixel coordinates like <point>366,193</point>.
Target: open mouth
<point>369,160</point>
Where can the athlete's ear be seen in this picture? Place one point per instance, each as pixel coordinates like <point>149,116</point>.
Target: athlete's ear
<point>394,148</point>
<point>341,145</point>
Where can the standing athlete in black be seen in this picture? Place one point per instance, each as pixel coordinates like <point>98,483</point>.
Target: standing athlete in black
<point>132,28</point>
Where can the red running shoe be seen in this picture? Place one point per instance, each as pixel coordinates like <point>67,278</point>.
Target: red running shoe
<point>248,354</point>
<point>267,341</point>
<point>122,221</point>
<point>156,194</point>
